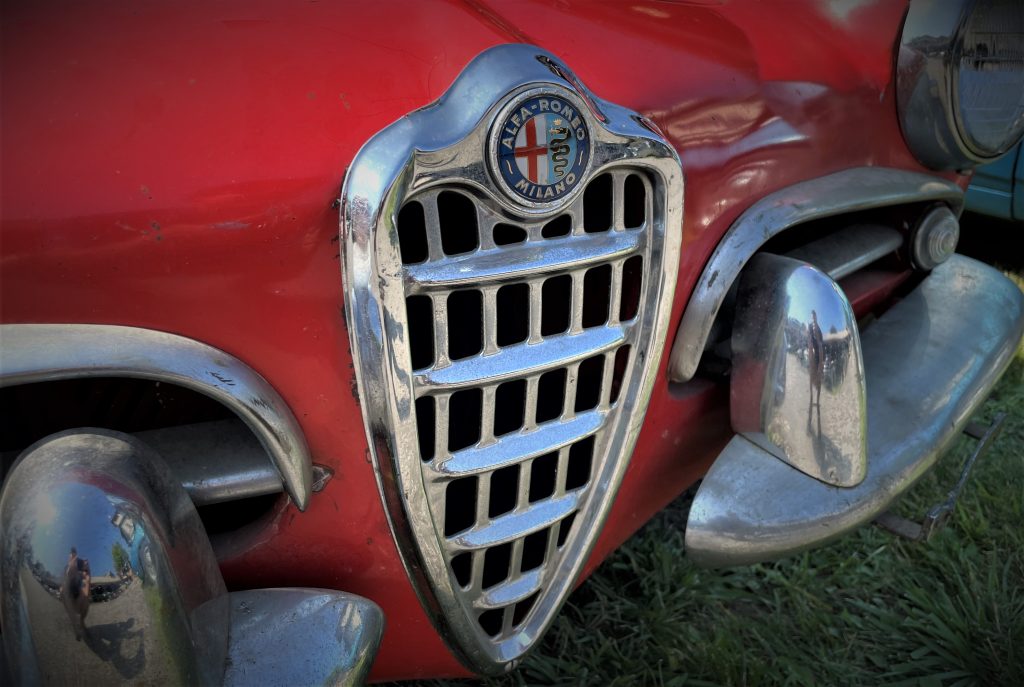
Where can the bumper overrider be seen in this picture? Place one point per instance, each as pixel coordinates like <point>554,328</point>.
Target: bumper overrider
<point>928,363</point>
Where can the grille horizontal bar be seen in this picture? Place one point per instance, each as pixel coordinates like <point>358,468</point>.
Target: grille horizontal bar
<point>523,360</point>
<point>512,263</point>
<point>511,591</point>
<point>516,524</point>
<point>516,448</point>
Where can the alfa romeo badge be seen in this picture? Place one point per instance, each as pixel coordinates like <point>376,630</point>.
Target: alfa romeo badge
<point>540,148</point>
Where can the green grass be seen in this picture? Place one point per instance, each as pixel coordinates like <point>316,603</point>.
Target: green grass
<point>869,609</point>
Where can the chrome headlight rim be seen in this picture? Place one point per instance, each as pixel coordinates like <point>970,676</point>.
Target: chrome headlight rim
<point>928,87</point>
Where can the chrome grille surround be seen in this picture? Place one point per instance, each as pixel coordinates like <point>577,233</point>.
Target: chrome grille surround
<point>428,480</point>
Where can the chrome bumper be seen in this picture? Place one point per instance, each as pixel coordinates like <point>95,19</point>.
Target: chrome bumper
<point>929,363</point>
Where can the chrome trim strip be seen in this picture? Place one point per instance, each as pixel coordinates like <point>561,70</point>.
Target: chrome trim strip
<point>851,190</point>
<point>508,593</point>
<point>553,352</point>
<point>849,250</point>
<point>231,464</point>
<point>931,360</point>
<point>45,352</point>
<point>514,448</point>
<point>516,524</point>
<point>550,257</point>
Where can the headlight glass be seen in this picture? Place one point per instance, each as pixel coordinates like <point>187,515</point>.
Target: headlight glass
<point>989,77</point>
<point>960,80</point>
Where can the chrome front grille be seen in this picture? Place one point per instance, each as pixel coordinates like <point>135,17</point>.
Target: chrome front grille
<point>505,352</point>
<point>520,338</point>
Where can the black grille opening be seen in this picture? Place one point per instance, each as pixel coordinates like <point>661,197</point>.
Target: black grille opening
<point>420,312</point>
<point>465,412</point>
<point>456,214</point>
<point>559,226</point>
<point>535,548</point>
<point>509,407</point>
<point>513,303</point>
<point>496,564</point>
<point>522,608</point>
<point>465,324</point>
<point>619,372</point>
<point>632,280</point>
<point>565,527</point>
<point>231,516</point>
<point>425,426</point>
<point>597,204</point>
<point>543,475</point>
<point>634,202</point>
<point>462,568</point>
<point>550,395</point>
<point>556,305</point>
<point>490,621</point>
<point>588,383</point>
<point>504,490</point>
<point>580,460</point>
<point>460,505</point>
<point>508,234</point>
<point>412,233</point>
<point>597,288</point>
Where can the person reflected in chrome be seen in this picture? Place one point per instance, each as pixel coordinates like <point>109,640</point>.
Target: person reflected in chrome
<point>75,589</point>
<point>816,369</point>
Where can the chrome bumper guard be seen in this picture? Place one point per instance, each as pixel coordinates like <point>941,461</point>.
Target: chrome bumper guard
<point>108,577</point>
<point>929,363</point>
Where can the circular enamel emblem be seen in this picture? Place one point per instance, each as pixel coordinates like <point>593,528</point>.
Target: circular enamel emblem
<point>541,148</point>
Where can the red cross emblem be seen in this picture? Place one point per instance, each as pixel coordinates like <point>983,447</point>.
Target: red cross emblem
<point>532,150</point>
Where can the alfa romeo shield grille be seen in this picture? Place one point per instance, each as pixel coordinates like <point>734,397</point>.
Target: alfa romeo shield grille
<point>509,261</point>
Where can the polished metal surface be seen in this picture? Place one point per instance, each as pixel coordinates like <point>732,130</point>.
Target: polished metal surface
<point>215,461</point>
<point>930,362</point>
<point>440,151</point>
<point>44,352</point>
<point>848,191</point>
<point>797,383</point>
<point>107,574</point>
<point>108,577</point>
<point>929,91</point>
<point>288,637</point>
<point>934,239</point>
<point>849,249</point>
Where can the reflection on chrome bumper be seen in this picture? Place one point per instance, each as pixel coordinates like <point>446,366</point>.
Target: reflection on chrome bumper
<point>929,362</point>
<point>107,577</point>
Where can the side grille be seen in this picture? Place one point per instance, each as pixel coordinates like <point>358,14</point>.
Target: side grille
<point>520,337</point>
<point>505,351</point>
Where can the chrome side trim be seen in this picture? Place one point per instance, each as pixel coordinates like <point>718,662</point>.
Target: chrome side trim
<point>45,352</point>
<point>848,191</point>
<point>930,361</point>
<point>797,383</point>
<point>215,461</point>
<point>849,250</point>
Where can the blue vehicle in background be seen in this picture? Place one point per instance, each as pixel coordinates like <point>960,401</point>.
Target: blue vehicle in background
<point>997,188</point>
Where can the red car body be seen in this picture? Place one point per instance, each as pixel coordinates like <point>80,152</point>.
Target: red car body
<point>175,167</point>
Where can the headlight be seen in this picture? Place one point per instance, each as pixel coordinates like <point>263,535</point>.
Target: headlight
<point>960,80</point>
